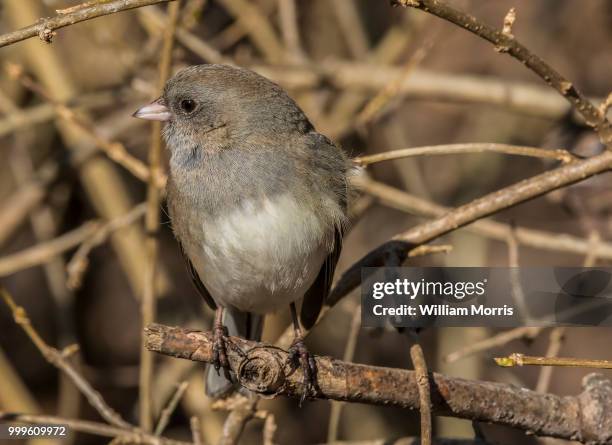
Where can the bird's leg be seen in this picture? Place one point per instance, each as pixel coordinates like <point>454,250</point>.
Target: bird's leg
<point>219,359</point>
<point>299,356</point>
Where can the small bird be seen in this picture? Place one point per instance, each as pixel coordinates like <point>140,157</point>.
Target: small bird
<point>257,200</point>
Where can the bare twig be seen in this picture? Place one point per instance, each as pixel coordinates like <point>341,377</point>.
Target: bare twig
<point>114,150</point>
<point>45,251</point>
<point>554,346</point>
<point>46,27</point>
<point>494,341</point>
<point>77,265</point>
<point>422,380</point>
<point>148,307</point>
<point>186,38</point>
<point>475,147</point>
<point>242,409</point>
<point>258,26</point>
<point>287,11</point>
<point>19,205</point>
<point>259,368</point>
<point>539,239</point>
<point>427,249</point>
<point>520,97</point>
<point>508,197</point>
<point>506,43</point>
<point>166,413</point>
<point>349,353</point>
<point>353,31</point>
<point>516,288</point>
<point>196,430</point>
<point>57,359</point>
<point>518,359</point>
<point>373,108</point>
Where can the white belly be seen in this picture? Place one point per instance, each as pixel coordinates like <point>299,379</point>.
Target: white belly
<point>260,258</point>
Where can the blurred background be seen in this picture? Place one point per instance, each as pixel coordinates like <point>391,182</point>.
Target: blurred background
<point>372,78</point>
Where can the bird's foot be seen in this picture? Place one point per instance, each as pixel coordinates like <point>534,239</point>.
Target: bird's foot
<point>300,357</point>
<point>219,358</point>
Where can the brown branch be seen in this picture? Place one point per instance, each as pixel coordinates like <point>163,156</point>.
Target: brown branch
<point>260,368</point>
<point>528,332</point>
<point>45,251</point>
<point>242,409</point>
<point>521,97</point>
<point>539,239</point>
<point>422,379</point>
<point>507,197</point>
<point>349,353</point>
<point>148,304</point>
<point>557,335</point>
<point>114,150</point>
<point>168,410</point>
<point>79,262</point>
<point>45,28</point>
<point>475,147</point>
<point>57,359</point>
<point>196,430</point>
<point>517,359</point>
<point>506,43</point>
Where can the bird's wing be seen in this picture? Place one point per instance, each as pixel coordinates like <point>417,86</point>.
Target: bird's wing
<point>317,294</point>
<point>195,278</point>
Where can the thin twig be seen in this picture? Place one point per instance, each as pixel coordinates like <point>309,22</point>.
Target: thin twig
<point>353,31</point>
<point>148,308</point>
<point>45,251</point>
<point>114,150</point>
<point>422,379</point>
<point>242,409</point>
<point>168,410</point>
<point>260,30</point>
<point>57,359</point>
<point>516,288</point>
<point>46,27</point>
<point>508,197</point>
<point>475,147</point>
<point>506,43</point>
<point>373,108</point>
<point>79,262</point>
<point>495,341</point>
<point>287,12</point>
<point>554,347</point>
<point>520,97</point>
<point>517,359</point>
<point>349,354</point>
<point>196,430</point>
<point>539,239</point>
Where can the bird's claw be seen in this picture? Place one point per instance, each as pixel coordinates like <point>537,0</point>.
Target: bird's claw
<point>219,358</point>
<point>299,356</point>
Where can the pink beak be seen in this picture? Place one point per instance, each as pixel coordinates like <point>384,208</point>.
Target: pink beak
<point>155,111</point>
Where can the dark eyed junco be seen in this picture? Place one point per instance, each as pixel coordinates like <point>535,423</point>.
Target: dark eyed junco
<point>257,200</point>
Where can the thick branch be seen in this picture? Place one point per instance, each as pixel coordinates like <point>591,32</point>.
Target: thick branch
<point>45,27</point>
<point>261,368</point>
<point>507,197</point>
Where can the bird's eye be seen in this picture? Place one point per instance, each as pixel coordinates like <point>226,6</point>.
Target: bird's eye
<point>188,105</point>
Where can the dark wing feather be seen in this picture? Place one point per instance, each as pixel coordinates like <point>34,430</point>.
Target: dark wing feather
<point>317,294</point>
<point>195,278</point>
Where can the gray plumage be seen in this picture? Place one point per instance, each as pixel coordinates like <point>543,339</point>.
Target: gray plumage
<point>256,196</point>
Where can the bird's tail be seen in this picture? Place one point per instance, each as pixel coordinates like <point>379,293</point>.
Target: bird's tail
<point>238,324</point>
